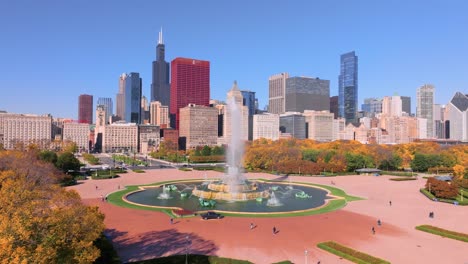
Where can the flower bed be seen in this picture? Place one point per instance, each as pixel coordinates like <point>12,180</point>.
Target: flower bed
<point>182,212</point>
<point>349,253</point>
<point>443,232</point>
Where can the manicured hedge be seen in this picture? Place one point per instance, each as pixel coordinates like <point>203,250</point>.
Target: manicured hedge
<point>443,232</point>
<point>403,179</point>
<point>349,253</point>
<point>432,197</point>
<point>185,169</point>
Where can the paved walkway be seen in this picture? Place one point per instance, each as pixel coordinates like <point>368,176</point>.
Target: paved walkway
<point>139,234</point>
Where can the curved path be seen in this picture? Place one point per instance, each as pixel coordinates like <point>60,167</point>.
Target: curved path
<point>138,234</point>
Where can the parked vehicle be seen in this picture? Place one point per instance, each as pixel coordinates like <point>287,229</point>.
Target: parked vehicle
<point>211,215</point>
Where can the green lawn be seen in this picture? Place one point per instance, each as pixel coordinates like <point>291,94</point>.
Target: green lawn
<point>443,232</point>
<point>350,254</point>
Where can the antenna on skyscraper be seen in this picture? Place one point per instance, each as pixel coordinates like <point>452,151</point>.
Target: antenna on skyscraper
<point>160,40</point>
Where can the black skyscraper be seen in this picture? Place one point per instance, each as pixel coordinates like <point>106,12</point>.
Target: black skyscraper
<point>160,88</point>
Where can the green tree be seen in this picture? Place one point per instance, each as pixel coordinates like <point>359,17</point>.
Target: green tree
<point>393,163</point>
<point>206,151</point>
<point>67,161</point>
<point>217,151</point>
<point>311,154</point>
<point>358,161</point>
<point>48,156</point>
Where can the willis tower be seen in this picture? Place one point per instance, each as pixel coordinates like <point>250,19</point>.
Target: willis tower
<point>160,88</point>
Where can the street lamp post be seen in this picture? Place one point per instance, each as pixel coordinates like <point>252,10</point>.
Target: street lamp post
<point>187,249</point>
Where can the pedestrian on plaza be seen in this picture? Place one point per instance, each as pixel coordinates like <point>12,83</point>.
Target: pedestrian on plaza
<point>373,230</point>
<point>379,222</point>
<point>102,197</point>
<point>96,188</point>
<point>251,226</point>
<point>274,230</point>
<point>172,220</point>
<point>390,203</point>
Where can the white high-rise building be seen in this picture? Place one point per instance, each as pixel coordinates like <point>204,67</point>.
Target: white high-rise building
<point>236,95</point>
<point>277,93</point>
<point>320,124</point>
<point>266,126</point>
<point>120,137</point>
<point>159,114</point>
<point>425,107</point>
<point>392,106</point>
<point>78,133</point>
<point>457,116</point>
<point>25,129</point>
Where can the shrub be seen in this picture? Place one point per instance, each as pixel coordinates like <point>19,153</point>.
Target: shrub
<point>441,189</point>
<point>403,179</point>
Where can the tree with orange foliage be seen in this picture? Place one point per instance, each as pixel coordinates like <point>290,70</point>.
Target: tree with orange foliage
<point>40,222</point>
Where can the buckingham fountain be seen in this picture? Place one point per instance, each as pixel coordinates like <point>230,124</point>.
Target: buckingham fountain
<point>232,191</point>
<point>233,186</point>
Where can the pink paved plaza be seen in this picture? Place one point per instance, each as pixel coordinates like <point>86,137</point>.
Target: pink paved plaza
<point>140,234</point>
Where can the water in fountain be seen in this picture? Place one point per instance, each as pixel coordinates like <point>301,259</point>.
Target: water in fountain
<point>290,187</point>
<point>164,195</point>
<point>273,201</point>
<point>206,179</point>
<point>236,147</point>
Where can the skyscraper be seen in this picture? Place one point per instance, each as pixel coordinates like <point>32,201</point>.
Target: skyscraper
<point>305,93</point>
<point>160,88</point>
<point>348,87</point>
<point>85,109</point>
<point>107,103</point>
<point>425,106</point>
<point>406,104</point>
<point>250,102</point>
<point>190,84</point>
<point>132,97</point>
<point>277,93</point>
<point>334,106</point>
<point>120,98</point>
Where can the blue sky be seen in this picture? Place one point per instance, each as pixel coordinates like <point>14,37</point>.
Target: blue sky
<point>53,51</point>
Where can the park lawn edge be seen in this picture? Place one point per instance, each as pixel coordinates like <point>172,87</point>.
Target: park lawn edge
<point>335,204</point>
<point>443,232</point>
<point>328,246</point>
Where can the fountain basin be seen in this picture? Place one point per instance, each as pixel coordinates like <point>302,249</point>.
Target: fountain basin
<point>285,195</point>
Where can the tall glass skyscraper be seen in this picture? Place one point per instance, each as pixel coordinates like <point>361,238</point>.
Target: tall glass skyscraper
<point>160,88</point>
<point>107,103</point>
<point>348,87</point>
<point>425,106</point>
<point>133,98</point>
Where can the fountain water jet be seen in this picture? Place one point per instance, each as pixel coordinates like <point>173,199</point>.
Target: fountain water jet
<point>164,195</point>
<point>233,185</point>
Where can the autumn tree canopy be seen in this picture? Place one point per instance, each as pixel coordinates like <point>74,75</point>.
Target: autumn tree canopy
<point>41,222</point>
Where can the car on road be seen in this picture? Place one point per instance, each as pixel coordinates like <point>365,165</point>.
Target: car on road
<point>211,215</point>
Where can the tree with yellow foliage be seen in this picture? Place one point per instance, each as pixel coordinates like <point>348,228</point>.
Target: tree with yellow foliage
<point>40,222</point>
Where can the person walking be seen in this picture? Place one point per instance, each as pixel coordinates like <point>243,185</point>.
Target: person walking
<point>274,230</point>
<point>251,226</point>
<point>390,203</point>
<point>373,230</point>
<point>379,223</point>
<point>172,220</point>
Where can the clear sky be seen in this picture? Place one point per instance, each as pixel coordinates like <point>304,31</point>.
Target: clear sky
<point>53,51</point>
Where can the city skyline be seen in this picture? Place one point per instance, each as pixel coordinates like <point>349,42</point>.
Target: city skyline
<point>77,50</point>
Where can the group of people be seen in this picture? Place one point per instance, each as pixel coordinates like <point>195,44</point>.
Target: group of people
<point>431,214</point>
